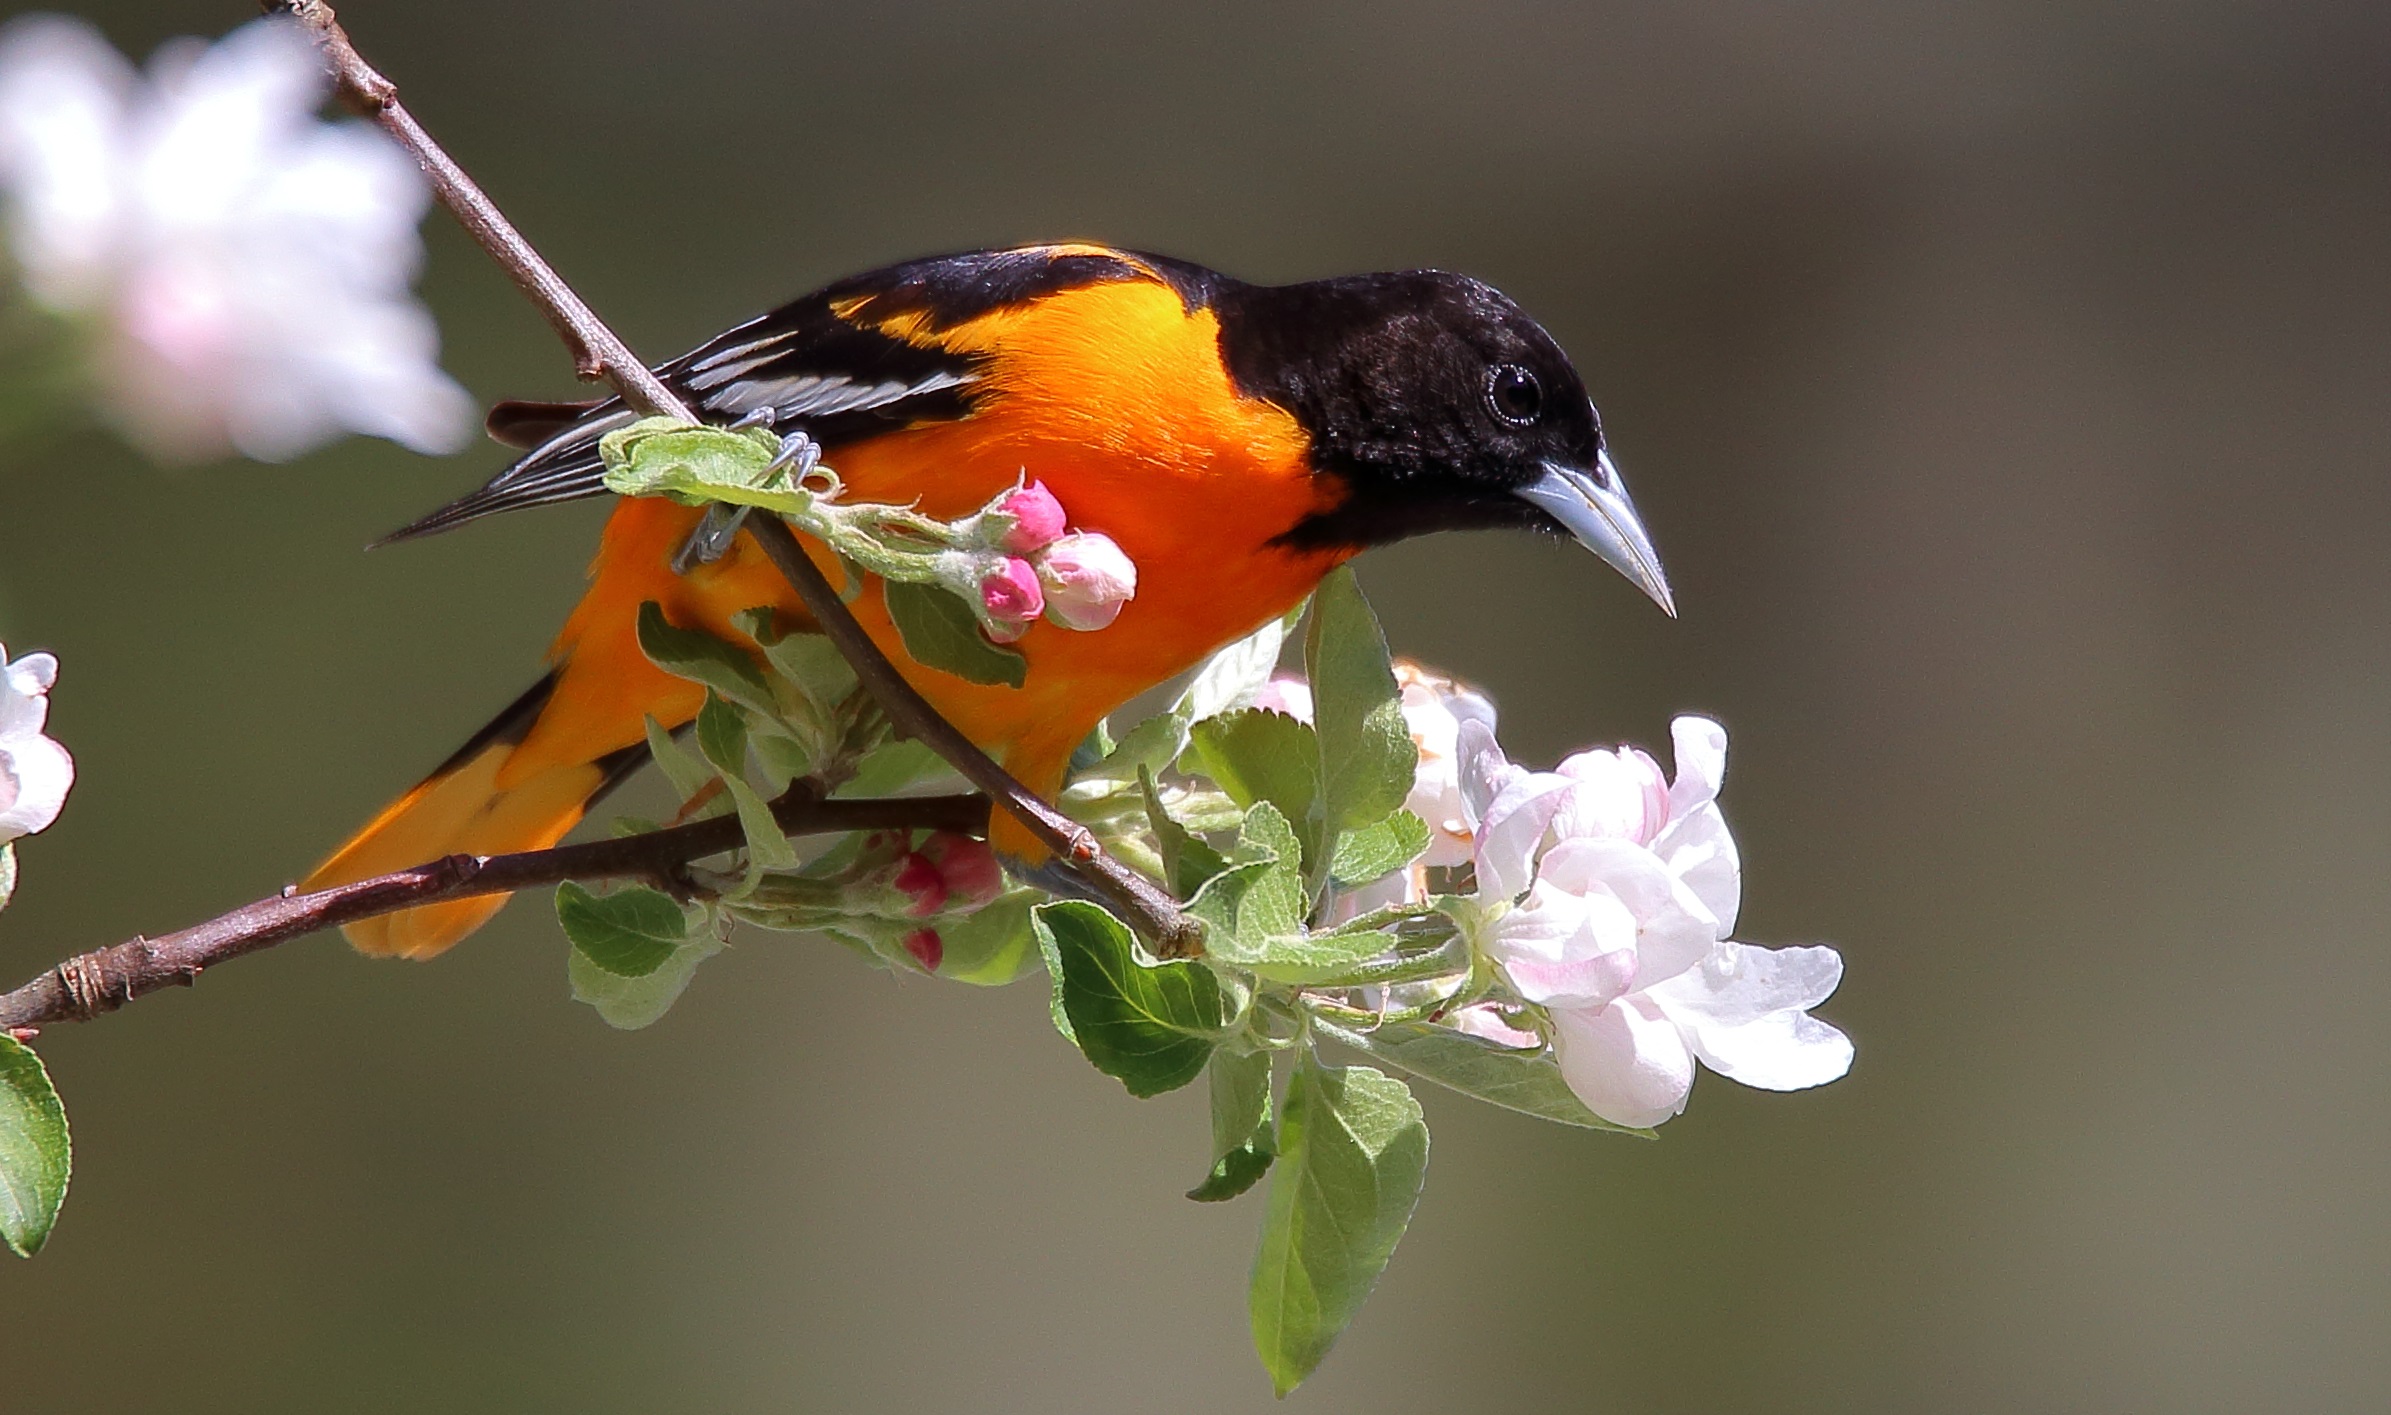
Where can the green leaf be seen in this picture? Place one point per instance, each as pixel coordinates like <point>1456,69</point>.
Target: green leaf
<point>941,632</point>
<point>668,457</point>
<point>1525,1081</point>
<point>768,846</point>
<point>8,872</point>
<point>1187,861</point>
<point>633,1003</point>
<point>809,660</point>
<point>687,773</point>
<point>1243,1139</point>
<point>991,947</point>
<point>1150,1027</point>
<point>1376,850</point>
<point>1151,746</point>
<point>722,736</point>
<point>1255,911</point>
<point>36,1155</point>
<point>1367,757</point>
<point>699,657</point>
<point>894,766</point>
<point>1052,956</point>
<point>1258,755</point>
<point>629,933</point>
<point>1234,673</point>
<point>1353,1152</point>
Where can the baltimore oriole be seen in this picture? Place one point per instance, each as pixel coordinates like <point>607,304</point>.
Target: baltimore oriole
<point>1238,441</point>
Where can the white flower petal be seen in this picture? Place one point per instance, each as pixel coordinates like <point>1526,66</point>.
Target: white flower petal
<point>1701,764</point>
<point>1627,1062</point>
<point>1486,1021</point>
<point>1743,982</point>
<point>62,135</point>
<point>35,775</point>
<point>1784,1051</point>
<point>1700,851</point>
<point>1674,929</point>
<point>24,690</point>
<point>1512,826</point>
<point>1574,983</point>
<point>1482,769</point>
<point>1620,794</point>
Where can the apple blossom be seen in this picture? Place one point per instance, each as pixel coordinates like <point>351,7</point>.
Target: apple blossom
<point>1631,885</point>
<point>1088,578</point>
<point>1037,519</point>
<point>241,268</point>
<point>1010,594</point>
<point>35,772</point>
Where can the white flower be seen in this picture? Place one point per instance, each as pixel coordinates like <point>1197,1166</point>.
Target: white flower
<point>35,772</point>
<point>1434,707</point>
<point>1088,577</point>
<point>1631,885</point>
<point>242,266</point>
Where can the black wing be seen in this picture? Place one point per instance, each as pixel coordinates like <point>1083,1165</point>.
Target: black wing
<point>804,367</point>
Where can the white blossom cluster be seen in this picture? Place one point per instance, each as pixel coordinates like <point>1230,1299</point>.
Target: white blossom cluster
<point>238,269</point>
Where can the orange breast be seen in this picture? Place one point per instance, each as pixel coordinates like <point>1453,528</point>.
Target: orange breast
<point>1114,396</point>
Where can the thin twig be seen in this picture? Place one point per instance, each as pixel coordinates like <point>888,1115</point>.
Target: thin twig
<point>1154,915</point>
<point>601,354</point>
<point>598,353</point>
<point>105,979</point>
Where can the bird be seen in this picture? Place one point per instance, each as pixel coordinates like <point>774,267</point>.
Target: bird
<point>1238,441</point>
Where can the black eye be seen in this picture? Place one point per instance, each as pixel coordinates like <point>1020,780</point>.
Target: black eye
<point>1514,394</point>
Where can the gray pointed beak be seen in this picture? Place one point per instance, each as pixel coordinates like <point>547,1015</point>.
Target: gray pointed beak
<point>1594,507</point>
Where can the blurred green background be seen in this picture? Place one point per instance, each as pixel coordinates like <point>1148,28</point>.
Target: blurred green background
<point>2007,388</point>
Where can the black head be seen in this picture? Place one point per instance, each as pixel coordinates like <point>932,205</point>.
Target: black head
<point>1441,406</point>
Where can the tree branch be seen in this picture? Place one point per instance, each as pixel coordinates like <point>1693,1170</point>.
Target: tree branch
<point>105,979</point>
<point>1153,913</point>
<point>600,354</point>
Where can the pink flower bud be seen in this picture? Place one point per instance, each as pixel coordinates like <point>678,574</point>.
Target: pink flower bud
<point>1012,597</point>
<point>1088,578</point>
<point>926,947</point>
<point>968,869</point>
<point>1037,518</point>
<point>924,888</point>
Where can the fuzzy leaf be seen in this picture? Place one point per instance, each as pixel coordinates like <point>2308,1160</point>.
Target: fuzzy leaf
<point>1187,860</point>
<point>992,946</point>
<point>893,767</point>
<point>722,736</point>
<point>1353,1153</point>
<point>1150,1027</point>
<point>36,1155</point>
<point>1376,850</point>
<point>629,932</point>
<point>807,659</point>
<point>1243,1139</point>
<point>667,457</point>
<point>1367,757</point>
<point>699,657</point>
<point>633,1003</point>
<point>1525,1081</point>
<point>1234,674</point>
<point>688,774</point>
<point>941,632</point>
<point>1257,755</point>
